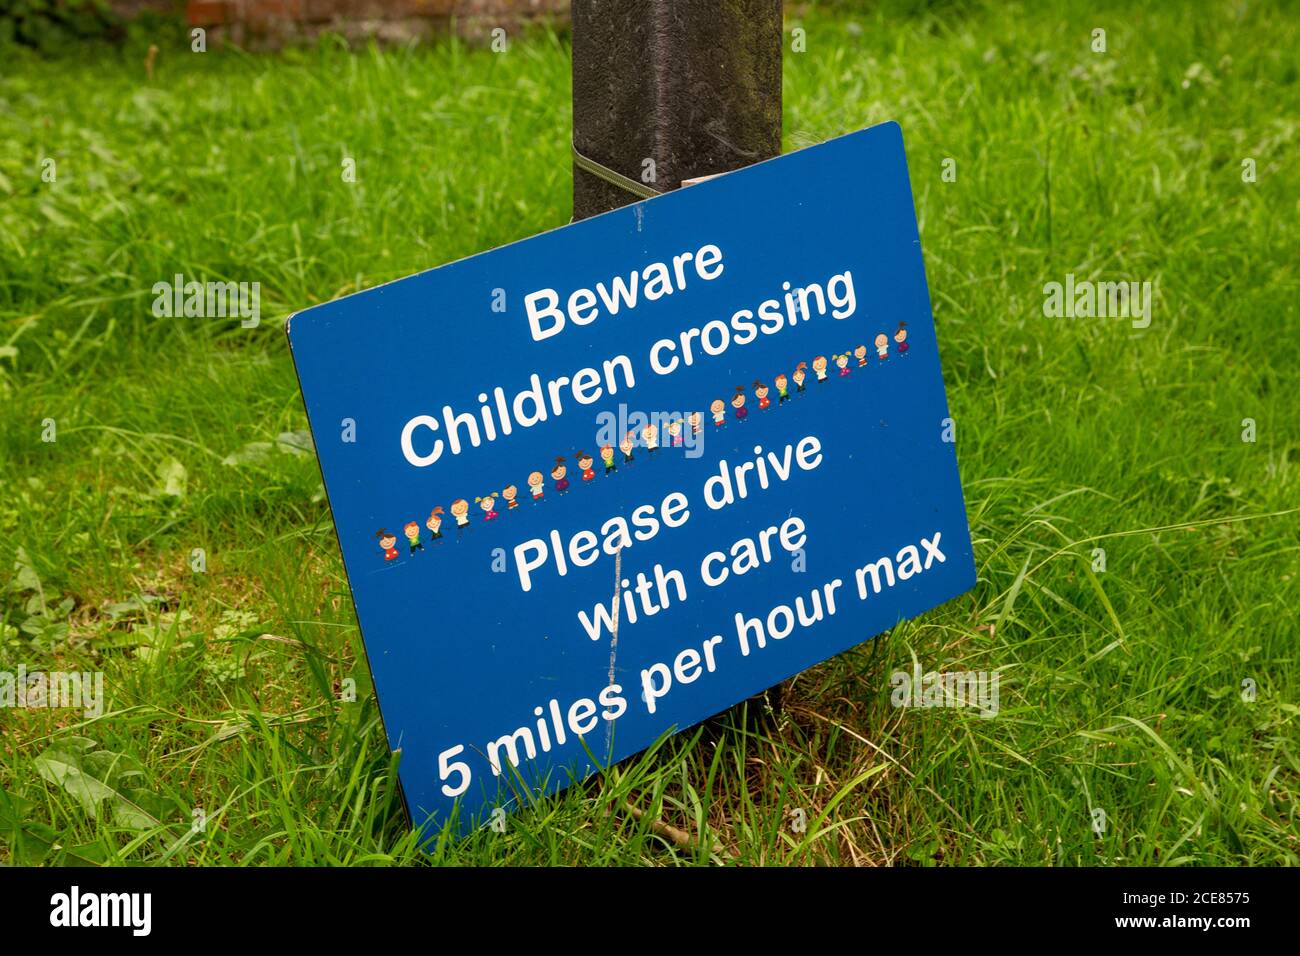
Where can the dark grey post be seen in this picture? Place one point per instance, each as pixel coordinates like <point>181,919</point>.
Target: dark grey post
<point>693,85</point>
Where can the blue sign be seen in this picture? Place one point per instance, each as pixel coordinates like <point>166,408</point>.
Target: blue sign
<point>607,481</point>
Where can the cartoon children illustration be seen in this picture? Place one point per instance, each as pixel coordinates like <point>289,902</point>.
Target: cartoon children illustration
<point>585,462</point>
<point>650,435</point>
<point>843,362</point>
<point>901,338</point>
<point>607,456</point>
<point>511,496</point>
<point>675,434</point>
<point>860,353</point>
<point>434,524</point>
<point>882,346</point>
<point>719,410</point>
<point>558,473</point>
<point>387,541</point>
<point>412,531</point>
<point>696,422</point>
<point>800,375</point>
<point>626,446</point>
<point>760,392</point>
<point>460,511</point>
<point>819,367</point>
<point>782,389</point>
<point>488,503</point>
<point>537,485</point>
<point>738,403</point>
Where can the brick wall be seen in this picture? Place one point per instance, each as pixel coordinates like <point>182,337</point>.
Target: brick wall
<point>273,22</point>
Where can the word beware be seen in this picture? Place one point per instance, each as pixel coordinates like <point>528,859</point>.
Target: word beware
<point>582,308</point>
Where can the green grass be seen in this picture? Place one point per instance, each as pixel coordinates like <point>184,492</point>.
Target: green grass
<point>1121,690</point>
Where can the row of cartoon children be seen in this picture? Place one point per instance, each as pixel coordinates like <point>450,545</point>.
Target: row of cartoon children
<point>650,440</point>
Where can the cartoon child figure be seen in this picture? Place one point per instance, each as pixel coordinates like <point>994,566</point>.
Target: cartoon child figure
<point>585,462</point>
<point>510,494</point>
<point>738,403</point>
<point>782,389</point>
<point>558,473</point>
<point>537,485</point>
<point>695,419</point>
<point>460,511</point>
<point>901,338</point>
<point>882,346</point>
<point>719,410</point>
<point>843,362</point>
<point>819,367</point>
<point>760,392</point>
<point>434,524</point>
<point>607,456</point>
<point>412,531</point>
<point>489,505</point>
<point>675,434</point>
<point>650,435</point>
<point>800,378</point>
<point>387,541</point>
<point>626,446</point>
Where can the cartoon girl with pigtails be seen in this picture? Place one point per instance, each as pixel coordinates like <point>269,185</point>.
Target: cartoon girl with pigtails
<point>842,361</point>
<point>488,503</point>
<point>760,392</point>
<point>558,473</point>
<point>738,403</point>
<point>901,338</point>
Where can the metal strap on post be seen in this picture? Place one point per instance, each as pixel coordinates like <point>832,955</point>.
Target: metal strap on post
<point>640,190</point>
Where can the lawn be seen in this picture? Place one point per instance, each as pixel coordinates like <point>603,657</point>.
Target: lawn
<point>1137,557</point>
